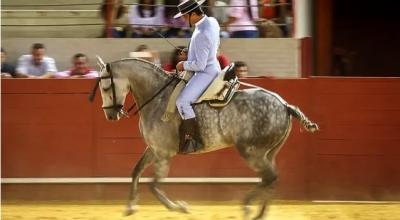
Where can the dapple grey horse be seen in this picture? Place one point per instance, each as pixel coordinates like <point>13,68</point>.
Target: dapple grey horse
<point>256,122</point>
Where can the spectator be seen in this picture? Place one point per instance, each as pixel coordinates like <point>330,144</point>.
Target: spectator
<point>207,5</point>
<point>241,69</point>
<point>246,16</point>
<point>118,11</point>
<point>176,57</point>
<point>174,27</point>
<point>80,68</point>
<point>220,12</point>
<point>36,65</point>
<point>150,55</point>
<point>223,60</point>
<point>146,16</point>
<point>7,70</point>
<point>278,12</point>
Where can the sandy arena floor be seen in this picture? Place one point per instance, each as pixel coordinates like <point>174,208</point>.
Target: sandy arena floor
<point>282,211</point>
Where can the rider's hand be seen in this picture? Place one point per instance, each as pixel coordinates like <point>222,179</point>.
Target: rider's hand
<point>179,66</point>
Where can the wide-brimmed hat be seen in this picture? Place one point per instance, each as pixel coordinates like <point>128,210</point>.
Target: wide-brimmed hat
<point>188,6</point>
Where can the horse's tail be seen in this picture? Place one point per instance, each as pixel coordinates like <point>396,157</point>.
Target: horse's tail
<point>307,124</point>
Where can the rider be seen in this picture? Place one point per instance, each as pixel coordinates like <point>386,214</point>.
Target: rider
<point>202,60</point>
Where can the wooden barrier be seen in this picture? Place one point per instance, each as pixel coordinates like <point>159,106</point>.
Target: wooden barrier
<point>51,130</point>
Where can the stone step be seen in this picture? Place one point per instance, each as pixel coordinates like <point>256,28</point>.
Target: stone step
<point>56,4</point>
<point>51,24</point>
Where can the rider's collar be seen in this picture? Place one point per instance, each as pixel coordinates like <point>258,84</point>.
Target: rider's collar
<point>201,20</point>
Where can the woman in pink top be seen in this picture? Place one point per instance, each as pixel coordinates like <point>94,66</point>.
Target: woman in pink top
<point>246,16</point>
<point>146,17</point>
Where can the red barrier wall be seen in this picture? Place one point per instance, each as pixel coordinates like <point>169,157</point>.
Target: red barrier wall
<point>49,129</point>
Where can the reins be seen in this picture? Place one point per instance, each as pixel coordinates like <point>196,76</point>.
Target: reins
<point>118,107</point>
<point>155,95</point>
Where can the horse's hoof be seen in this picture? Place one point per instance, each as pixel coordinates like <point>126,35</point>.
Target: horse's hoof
<point>182,207</point>
<point>247,211</point>
<point>130,210</point>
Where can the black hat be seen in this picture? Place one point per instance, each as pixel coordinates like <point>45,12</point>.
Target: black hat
<point>188,6</point>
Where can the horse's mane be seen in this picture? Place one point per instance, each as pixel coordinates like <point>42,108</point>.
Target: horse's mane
<point>150,64</point>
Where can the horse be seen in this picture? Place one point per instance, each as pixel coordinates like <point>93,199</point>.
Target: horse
<point>255,121</point>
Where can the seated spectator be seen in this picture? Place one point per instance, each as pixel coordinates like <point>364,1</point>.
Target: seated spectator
<point>245,16</point>
<point>174,27</point>
<point>36,65</point>
<point>144,17</point>
<point>150,55</point>
<point>278,13</point>
<point>220,12</point>
<point>207,5</point>
<point>270,29</point>
<point>7,70</point>
<point>80,68</point>
<point>241,69</point>
<point>118,11</point>
<point>176,57</point>
<point>223,60</point>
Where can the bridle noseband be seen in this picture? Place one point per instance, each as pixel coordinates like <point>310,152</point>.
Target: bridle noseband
<point>118,107</point>
<point>115,106</point>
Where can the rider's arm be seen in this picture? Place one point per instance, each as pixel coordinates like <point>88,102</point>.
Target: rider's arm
<point>201,51</point>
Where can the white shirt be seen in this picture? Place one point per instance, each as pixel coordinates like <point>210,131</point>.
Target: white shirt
<point>136,21</point>
<point>26,66</point>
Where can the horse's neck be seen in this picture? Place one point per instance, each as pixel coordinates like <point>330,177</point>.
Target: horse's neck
<point>145,85</point>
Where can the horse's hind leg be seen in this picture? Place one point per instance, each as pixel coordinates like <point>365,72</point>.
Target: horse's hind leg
<point>269,176</point>
<point>161,167</point>
<point>146,160</point>
<point>265,189</point>
<point>269,180</point>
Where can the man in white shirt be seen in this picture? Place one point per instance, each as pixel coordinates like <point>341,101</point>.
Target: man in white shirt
<point>36,65</point>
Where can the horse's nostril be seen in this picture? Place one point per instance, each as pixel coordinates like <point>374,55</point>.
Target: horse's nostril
<point>109,117</point>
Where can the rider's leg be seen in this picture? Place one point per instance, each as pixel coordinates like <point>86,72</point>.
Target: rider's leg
<point>193,90</point>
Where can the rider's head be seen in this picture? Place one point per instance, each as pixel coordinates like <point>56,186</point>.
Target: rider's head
<point>191,11</point>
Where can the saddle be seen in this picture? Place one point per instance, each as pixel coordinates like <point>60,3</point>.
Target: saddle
<point>218,94</point>
<point>222,89</point>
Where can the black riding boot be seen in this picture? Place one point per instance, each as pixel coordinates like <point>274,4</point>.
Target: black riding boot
<point>189,137</point>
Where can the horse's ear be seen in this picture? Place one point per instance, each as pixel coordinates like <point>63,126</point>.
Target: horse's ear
<point>100,62</point>
<point>108,68</point>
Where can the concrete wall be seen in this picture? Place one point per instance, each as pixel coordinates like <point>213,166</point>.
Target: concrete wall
<point>265,56</point>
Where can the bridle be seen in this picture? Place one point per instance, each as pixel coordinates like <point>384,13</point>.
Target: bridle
<point>119,107</point>
<point>115,106</point>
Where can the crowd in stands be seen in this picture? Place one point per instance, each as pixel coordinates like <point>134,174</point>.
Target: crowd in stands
<point>38,64</point>
<point>236,22</point>
<point>268,18</point>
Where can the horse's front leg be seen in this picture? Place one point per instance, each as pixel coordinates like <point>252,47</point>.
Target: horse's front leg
<point>161,168</point>
<point>146,160</point>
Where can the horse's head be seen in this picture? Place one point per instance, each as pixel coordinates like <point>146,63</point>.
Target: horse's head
<point>114,87</point>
